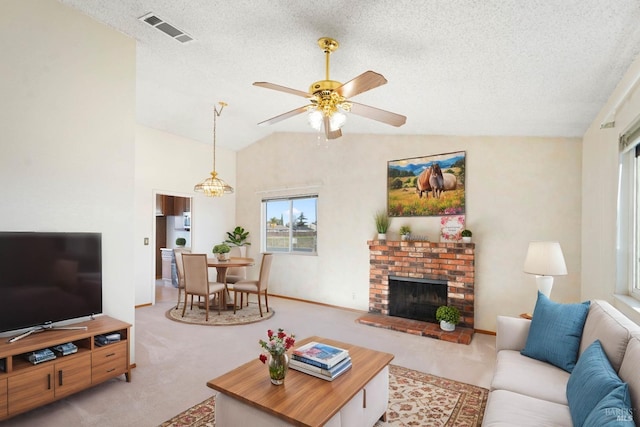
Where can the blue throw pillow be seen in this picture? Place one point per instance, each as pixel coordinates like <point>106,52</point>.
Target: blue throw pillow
<point>592,379</point>
<point>555,332</point>
<point>614,410</point>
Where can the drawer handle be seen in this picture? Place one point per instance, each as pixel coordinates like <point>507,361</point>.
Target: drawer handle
<point>111,370</point>
<point>60,377</point>
<point>110,354</point>
<point>48,381</point>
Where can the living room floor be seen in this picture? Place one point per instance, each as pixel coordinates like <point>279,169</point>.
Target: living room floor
<point>175,360</point>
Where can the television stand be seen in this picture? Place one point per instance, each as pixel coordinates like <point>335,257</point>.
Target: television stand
<point>25,386</point>
<point>46,327</point>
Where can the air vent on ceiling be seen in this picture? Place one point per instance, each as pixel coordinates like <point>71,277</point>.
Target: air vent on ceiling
<point>160,24</point>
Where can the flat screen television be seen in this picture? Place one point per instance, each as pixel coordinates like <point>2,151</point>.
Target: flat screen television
<point>48,277</point>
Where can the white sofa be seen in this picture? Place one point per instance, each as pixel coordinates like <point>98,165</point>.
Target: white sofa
<point>528,392</point>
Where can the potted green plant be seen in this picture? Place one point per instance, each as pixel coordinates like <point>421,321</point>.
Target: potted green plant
<point>180,242</point>
<point>466,235</point>
<point>448,317</point>
<point>222,251</point>
<point>238,237</point>
<point>382,223</point>
<point>405,232</point>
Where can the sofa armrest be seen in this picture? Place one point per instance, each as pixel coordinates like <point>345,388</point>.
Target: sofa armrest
<point>511,333</point>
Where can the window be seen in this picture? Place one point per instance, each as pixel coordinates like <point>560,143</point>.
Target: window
<point>290,224</point>
<point>629,212</point>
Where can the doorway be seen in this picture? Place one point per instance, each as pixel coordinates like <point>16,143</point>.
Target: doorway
<point>173,221</point>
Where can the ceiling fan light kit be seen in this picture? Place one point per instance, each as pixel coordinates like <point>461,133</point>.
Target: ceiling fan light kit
<point>214,186</point>
<point>329,99</point>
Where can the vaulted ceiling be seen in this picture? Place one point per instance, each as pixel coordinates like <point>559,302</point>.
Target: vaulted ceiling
<point>454,67</point>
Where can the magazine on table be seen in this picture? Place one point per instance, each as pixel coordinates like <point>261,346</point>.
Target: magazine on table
<point>323,355</point>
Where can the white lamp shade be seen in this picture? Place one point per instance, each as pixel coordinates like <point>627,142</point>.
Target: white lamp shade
<point>545,259</point>
<point>315,119</point>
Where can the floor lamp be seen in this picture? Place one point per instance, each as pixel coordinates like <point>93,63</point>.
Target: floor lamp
<point>545,260</point>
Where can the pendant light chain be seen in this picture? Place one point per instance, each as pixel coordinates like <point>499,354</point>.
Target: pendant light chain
<point>214,186</point>
<point>216,114</point>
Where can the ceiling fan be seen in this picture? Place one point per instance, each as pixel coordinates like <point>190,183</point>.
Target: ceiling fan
<point>330,100</point>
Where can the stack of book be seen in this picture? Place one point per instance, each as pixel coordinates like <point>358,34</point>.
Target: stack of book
<point>40,356</point>
<point>65,349</point>
<point>321,360</point>
<point>101,340</point>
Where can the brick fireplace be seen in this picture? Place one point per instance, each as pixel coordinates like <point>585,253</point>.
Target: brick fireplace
<point>453,263</point>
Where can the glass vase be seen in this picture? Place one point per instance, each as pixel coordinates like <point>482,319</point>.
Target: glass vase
<point>278,365</point>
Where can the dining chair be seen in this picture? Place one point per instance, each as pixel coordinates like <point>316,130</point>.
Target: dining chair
<point>196,281</point>
<point>257,287</point>
<point>235,274</point>
<point>180,267</point>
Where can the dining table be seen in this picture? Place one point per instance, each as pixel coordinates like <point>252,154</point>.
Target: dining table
<point>221,267</point>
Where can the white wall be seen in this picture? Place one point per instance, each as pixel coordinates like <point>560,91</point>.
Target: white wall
<point>518,190</point>
<point>599,206</point>
<point>171,164</point>
<point>68,126</point>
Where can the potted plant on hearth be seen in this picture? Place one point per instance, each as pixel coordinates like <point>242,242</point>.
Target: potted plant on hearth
<point>382,223</point>
<point>222,251</point>
<point>448,317</point>
<point>466,235</point>
<point>405,232</point>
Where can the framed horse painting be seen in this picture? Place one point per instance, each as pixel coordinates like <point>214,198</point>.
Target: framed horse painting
<point>427,186</point>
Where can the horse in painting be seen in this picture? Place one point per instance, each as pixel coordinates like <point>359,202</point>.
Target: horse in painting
<point>441,182</point>
<point>422,183</point>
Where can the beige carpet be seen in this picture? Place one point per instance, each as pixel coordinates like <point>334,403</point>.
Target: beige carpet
<point>415,399</point>
<point>249,314</point>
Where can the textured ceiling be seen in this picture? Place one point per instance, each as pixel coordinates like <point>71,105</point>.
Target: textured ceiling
<point>501,67</point>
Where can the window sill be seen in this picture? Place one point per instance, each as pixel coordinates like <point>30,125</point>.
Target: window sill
<point>629,304</point>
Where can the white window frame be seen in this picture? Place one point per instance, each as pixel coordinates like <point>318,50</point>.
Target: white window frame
<point>291,250</point>
<point>628,239</point>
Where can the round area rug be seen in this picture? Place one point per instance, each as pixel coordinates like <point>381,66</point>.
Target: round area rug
<point>243,316</point>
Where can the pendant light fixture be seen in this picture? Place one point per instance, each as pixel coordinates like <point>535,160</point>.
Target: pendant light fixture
<point>214,186</point>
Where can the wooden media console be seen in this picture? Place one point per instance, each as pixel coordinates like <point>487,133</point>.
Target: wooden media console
<point>25,386</point>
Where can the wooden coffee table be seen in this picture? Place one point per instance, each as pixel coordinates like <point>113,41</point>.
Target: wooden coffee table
<point>357,397</point>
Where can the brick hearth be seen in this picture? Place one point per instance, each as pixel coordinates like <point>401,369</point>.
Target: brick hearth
<point>452,262</point>
<point>417,327</point>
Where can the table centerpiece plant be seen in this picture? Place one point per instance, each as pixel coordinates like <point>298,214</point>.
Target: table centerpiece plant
<point>222,251</point>
<point>275,352</point>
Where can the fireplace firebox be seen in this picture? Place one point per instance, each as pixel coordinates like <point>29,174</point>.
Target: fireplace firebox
<point>416,299</point>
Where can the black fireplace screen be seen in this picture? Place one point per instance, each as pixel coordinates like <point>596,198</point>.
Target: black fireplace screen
<point>416,299</point>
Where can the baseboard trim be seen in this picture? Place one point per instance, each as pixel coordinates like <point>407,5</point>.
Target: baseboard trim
<point>317,303</point>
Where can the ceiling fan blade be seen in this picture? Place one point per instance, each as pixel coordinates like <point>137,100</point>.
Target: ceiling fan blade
<point>373,113</point>
<point>335,134</point>
<point>364,82</point>
<point>283,116</point>
<point>279,88</point>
